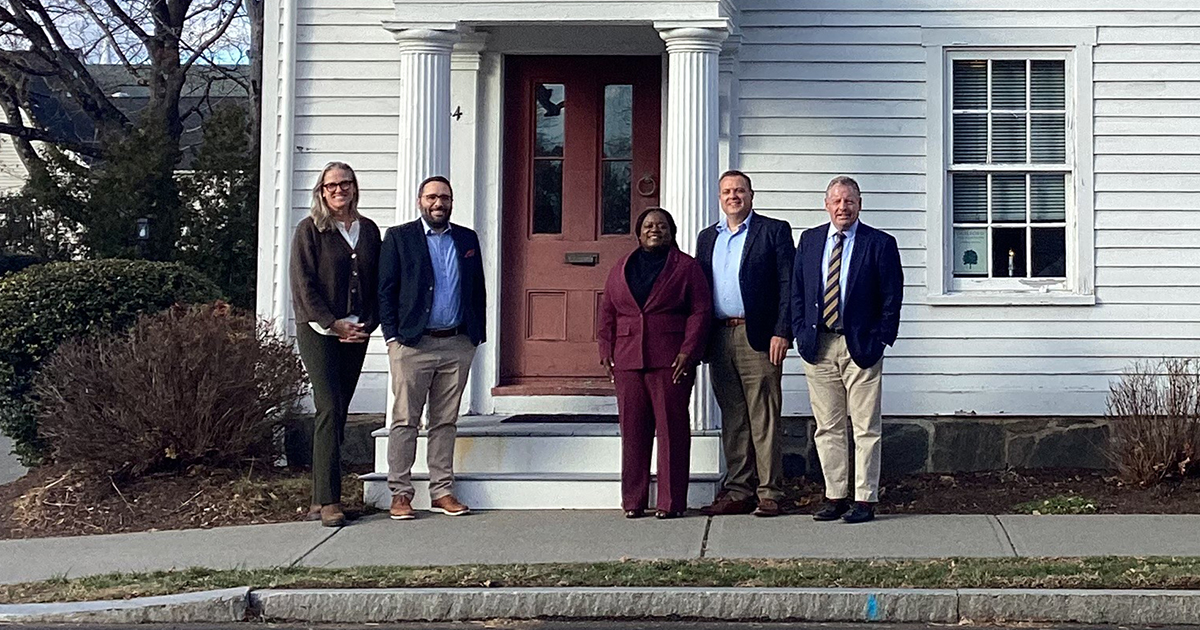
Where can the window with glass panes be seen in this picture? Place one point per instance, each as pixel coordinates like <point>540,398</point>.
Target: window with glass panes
<point>1009,172</point>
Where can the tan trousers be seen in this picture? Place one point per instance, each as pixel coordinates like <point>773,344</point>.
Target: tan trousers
<point>748,390</point>
<point>837,387</point>
<point>435,369</point>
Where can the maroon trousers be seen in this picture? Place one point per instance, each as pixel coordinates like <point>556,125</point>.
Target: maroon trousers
<point>650,405</point>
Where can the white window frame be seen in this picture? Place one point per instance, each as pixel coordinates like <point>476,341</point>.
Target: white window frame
<point>1074,46</point>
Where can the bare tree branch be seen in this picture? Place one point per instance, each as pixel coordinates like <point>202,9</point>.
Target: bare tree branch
<point>221,28</point>
<point>108,33</point>
<point>127,21</point>
<point>216,4</point>
<point>41,135</point>
<point>10,105</point>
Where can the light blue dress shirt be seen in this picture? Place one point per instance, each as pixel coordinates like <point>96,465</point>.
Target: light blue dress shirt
<point>446,311</point>
<point>847,252</point>
<point>727,267</point>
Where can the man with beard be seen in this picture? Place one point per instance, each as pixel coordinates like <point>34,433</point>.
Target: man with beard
<point>431,307</point>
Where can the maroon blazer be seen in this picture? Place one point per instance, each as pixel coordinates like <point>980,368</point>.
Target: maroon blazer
<point>675,320</point>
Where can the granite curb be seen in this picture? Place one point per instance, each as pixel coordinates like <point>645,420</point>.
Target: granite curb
<point>949,606</point>
<point>206,606</point>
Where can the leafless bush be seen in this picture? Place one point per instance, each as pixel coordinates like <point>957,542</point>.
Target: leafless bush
<point>193,384</point>
<point>1154,411</point>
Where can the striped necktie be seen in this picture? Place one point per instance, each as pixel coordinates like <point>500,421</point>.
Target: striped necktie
<point>831,312</point>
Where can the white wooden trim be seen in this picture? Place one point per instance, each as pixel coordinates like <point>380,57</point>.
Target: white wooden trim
<point>935,195</point>
<point>1011,298</point>
<point>1080,245</point>
<point>1049,37</point>
<point>1083,282</point>
<point>275,187</point>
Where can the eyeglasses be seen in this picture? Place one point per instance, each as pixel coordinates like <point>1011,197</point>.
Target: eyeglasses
<point>442,198</point>
<point>346,185</point>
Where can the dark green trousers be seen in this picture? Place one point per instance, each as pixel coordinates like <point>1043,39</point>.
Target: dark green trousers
<point>333,368</point>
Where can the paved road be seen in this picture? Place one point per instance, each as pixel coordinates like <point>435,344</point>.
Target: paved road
<point>562,625</point>
<point>10,468</point>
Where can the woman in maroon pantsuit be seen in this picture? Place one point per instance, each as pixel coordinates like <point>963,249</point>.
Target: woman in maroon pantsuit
<point>654,321</point>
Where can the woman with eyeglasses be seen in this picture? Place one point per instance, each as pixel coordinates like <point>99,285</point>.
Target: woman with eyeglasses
<point>654,321</point>
<point>335,280</point>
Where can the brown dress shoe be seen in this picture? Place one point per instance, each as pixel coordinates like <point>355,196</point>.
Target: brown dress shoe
<point>332,515</point>
<point>402,508</point>
<point>449,506</point>
<point>724,505</point>
<point>314,513</point>
<point>767,507</point>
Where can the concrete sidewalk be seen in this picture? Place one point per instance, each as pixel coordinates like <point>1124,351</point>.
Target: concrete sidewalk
<point>590,536</point>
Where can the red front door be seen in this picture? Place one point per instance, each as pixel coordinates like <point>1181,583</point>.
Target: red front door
<point>581,162</point>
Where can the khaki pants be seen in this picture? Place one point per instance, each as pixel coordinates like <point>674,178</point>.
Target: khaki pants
<point>435,369</point>
<point>748,390</point>
<point>837,387</point>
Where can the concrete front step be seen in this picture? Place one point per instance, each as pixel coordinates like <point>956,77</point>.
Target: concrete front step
<point>534,491</point>
<point>562,449</point>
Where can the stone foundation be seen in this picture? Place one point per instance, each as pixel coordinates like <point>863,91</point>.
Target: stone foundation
<point>910,445</point>
<point>965,443</point>
<point>358,447</point>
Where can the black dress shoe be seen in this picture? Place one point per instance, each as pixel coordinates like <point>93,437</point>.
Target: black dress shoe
<point>635,513</point>
<point>663,514</point>
<point>832,510</point>
<point>861,513</point>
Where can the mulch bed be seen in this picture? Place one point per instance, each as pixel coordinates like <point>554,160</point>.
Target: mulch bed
<point>59,501</point>
<point>1000,492</point>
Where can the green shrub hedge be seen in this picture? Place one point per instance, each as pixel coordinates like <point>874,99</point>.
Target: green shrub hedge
<point>45,305</point>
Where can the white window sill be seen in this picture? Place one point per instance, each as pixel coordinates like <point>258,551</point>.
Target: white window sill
<point>1010,298</point>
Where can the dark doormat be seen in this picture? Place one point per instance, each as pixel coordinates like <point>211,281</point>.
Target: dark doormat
<point>552,418</point>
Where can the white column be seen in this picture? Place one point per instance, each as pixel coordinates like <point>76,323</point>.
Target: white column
<point>466,63</point>
<point>691,157</point>
<point>730,93</point>
<point>424,147</point>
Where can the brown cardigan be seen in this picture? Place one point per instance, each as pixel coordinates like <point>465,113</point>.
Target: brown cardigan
<point>331,281</point>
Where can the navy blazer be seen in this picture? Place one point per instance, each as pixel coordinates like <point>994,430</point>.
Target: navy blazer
<point>765,277</point>
<point>406,282</point>
<point>871,305</point>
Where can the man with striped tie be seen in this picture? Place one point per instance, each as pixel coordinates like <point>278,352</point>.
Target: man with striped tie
<point>847,286</point>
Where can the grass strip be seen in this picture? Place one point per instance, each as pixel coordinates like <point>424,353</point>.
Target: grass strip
<point>1088,573</point>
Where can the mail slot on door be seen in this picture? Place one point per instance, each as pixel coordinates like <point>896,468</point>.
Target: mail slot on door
<point>586,259</point>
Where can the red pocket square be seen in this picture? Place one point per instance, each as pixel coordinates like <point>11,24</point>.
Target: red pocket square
<point>470,253</point>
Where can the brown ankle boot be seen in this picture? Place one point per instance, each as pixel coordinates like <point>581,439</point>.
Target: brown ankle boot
<point>332,515</point>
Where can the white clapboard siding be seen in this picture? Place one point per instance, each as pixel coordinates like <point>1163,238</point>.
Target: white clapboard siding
<point>839,86</point>
<point>818,103</point>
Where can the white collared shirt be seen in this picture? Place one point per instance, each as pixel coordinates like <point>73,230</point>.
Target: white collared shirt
<point>847,251</point>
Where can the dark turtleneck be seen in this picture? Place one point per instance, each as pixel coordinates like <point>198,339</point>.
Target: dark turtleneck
<point>642,270</point>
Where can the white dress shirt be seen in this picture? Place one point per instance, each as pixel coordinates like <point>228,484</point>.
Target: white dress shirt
<point>847,251</point>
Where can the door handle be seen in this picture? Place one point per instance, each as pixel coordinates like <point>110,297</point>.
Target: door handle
<point>647,186</point>
<point>584,259</point>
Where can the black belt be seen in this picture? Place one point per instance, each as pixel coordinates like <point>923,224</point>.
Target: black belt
<point>446,332</point>
<point>826,329</point>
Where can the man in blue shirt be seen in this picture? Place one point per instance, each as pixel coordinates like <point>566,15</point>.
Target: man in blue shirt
<point>431,308</point>
<point>847,289</point>
<point>748,260</point>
